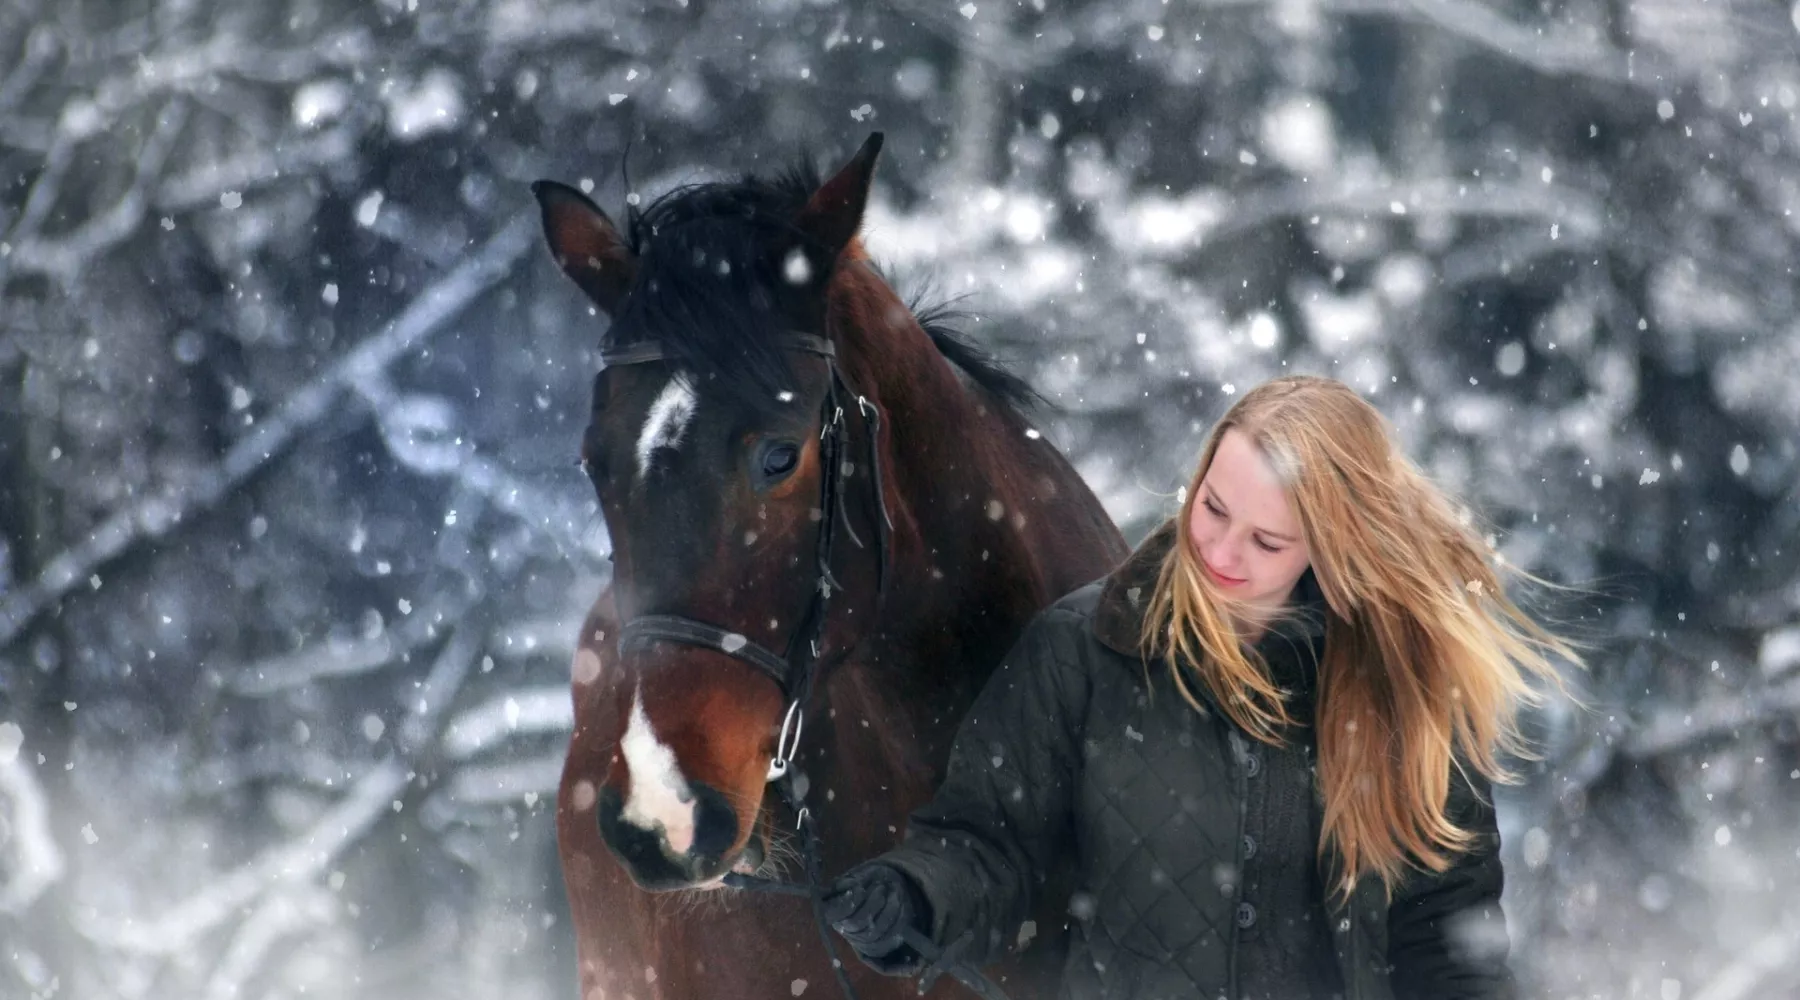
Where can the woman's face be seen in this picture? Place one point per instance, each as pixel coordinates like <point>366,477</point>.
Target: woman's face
<point>1244,527</point>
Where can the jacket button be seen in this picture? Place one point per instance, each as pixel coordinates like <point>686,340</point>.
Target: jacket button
<point>1252,765</point>
<point>1249,847</point>
<point>1246,915</point>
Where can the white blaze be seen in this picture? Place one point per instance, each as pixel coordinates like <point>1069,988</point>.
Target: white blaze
<point>660,798</point>
<point>666,422</point>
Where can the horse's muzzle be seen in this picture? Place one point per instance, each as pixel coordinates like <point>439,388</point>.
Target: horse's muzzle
<point>647,855</point>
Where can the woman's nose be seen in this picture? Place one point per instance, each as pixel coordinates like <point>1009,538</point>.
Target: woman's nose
<point>1223,554</point>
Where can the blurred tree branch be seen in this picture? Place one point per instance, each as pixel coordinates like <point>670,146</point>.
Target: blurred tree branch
<point>178,928</point>
<point>156,515</point>
<point>65,255</point>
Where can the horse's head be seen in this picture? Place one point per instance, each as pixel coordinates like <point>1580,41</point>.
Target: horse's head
<point>720,466</point>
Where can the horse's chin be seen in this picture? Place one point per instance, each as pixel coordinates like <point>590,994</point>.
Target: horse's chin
<point>749,862</point>
<point>750,859</point>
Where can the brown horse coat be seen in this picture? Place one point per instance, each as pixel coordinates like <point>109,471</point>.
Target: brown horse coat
<point>989,524</point>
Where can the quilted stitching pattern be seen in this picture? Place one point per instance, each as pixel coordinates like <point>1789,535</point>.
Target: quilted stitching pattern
<point>1067,755</point>
<point>1158,808</point>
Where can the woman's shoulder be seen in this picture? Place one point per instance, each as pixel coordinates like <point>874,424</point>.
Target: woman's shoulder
<point>1077,605</point>
<point>1066,630</point>
<point>1062,624</point>
<point>1091,615</point>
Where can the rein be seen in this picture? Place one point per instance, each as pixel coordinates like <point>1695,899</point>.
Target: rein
<point>794,671</point>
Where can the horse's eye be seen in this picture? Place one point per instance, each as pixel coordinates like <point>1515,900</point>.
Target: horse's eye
<point>780,459</point>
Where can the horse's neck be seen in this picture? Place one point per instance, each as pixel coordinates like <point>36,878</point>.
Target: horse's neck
<point>960,457</point>
<point>976,551</point>
<point>945,439</point>
<point>963,578</point>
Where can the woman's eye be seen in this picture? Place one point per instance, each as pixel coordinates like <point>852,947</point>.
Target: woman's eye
<point>1266,547</point>
<point>1214,511</point>
<point>780,460</point>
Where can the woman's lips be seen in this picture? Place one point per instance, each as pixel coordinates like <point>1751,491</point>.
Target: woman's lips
<point>1220,578</point>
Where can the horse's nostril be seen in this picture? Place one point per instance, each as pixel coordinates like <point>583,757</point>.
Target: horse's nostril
<point>643,853</point>
<point>715,823</point>
<point>647,854</point>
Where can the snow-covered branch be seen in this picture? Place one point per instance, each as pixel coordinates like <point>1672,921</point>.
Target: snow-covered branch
<point>419,432</point>
<point>321,661</point>
<point>522,637</point>
<point>179,927</point>
<point>274,763</point>
<point>36,862</point>
<point>249,170</point>
<point>195,68</point>
<point>296,908</point>
<point>45,188</point>
<point>344,657</point>
<point>980,41</point>
<point>1576,215</point>
<point>1678,726</point>
<point>498,784</point>
<point>488,725</point>
<point>438,691</point>
<point>292,866</point>
<point>1748,973</point>
<point>40,47</point>
<point>154,516</point>
<point>64,256</point>
<point>1552,50</point>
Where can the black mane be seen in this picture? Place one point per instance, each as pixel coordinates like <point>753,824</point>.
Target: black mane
<point>940,322</point>
<point>703,254</point>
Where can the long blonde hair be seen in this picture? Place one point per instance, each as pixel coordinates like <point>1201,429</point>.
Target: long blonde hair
<point>1427,660</point>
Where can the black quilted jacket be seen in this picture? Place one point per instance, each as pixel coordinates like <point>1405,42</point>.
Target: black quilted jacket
<point>1075,750</point>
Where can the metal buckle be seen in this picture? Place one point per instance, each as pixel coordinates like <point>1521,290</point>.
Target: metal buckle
<point>785,750</point>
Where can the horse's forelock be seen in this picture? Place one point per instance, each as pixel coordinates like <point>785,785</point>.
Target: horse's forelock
<point>708,285</point>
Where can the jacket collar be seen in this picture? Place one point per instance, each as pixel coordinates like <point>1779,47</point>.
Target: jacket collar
<point>1125,597</point>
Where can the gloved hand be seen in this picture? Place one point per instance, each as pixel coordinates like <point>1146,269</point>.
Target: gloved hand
<point>871,905</point>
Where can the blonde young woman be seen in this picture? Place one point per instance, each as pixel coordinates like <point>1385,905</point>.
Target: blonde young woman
<point>1265,742</point>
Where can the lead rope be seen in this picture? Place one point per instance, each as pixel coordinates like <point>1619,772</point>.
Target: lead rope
<point>941,960</point>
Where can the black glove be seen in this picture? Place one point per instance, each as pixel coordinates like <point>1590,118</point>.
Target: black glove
<point>872,905</point>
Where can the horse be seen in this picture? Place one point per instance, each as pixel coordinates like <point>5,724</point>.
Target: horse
<point>786,457</point>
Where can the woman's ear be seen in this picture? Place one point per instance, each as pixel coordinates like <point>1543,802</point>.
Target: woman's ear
<point>587,246</point>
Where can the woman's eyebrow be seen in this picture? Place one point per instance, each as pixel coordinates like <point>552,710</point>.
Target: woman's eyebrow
<point>1213,498</point>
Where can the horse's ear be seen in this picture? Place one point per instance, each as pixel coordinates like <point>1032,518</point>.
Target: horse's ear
<point>834,212</point>
<point>587,245</point>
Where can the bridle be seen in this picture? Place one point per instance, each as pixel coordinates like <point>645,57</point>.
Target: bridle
<point>795,670</point>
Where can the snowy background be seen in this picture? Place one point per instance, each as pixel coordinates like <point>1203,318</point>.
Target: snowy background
<point>292,541</point>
